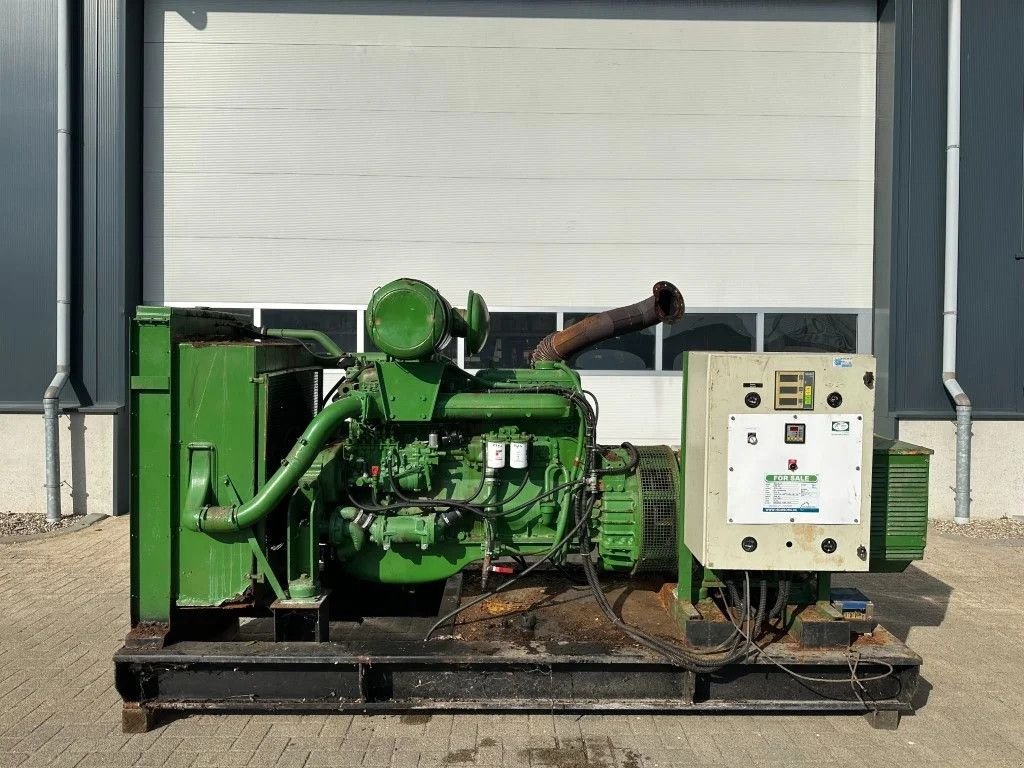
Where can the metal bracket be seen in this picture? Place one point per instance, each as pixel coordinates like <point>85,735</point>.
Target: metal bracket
<point>201,459</point>
<point>264,566</point>
<point>226,481</point>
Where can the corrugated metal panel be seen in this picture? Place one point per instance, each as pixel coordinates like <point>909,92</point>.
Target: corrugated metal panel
<point>796,26</point>
<point>27,198</point>
<point>991,199</point>
<point>990,352</point>
<point>329,271</point>
<point>108,191</point>
<point>885,160</point>
<point>519,80</point>
<point>522,211</point>
<point>507,146</point>
<point>28,195</point>
<point>487,145</point>
<point>918,208</point>
<point>648,410</point>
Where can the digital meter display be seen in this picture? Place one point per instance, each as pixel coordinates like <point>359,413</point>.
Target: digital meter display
<point>796,433</point>
<point>794,391</point>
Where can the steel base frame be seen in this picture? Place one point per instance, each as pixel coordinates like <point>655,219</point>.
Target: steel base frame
<point>452,675</point>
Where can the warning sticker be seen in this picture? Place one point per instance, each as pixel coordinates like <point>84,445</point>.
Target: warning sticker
<point>791,493</point>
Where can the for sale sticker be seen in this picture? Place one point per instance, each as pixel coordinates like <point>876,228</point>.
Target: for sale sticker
<point>791,494</point>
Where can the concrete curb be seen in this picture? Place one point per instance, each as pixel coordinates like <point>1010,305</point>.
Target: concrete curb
<point>78,525</point>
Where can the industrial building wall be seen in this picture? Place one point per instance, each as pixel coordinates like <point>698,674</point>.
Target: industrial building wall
<point>990,350</point>
<point>997,480</point>
<point>86,468</point>
<point>104,228</point>
<point>557,158</point>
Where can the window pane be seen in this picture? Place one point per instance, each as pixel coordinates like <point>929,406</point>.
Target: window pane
<point>450,350</point>
<point>339,324</point>
<point>632,352</point>
<point>810,333</point>
<point>513,336</point>
<point>712,332</point>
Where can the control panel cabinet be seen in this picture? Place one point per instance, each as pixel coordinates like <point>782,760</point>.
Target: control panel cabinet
<point>777,451</point>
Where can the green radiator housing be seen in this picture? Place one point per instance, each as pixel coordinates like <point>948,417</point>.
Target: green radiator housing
<point>204,394</point>
<point>899,504</point>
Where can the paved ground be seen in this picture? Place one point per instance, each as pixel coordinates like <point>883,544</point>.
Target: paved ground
<point>64,610</point>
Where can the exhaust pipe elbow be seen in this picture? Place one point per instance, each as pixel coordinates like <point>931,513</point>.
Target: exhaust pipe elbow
<point>665,305</point>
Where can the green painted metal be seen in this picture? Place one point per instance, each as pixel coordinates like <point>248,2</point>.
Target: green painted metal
<point>197,409</point>
<point>211,518</point>
<point>690,572</point>
<point>410,320</point>
<point>303,334</point>
<point>242,480</point>
<point>899,504</point>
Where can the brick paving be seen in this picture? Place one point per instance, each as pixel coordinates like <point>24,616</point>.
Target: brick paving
<point>64,610</point>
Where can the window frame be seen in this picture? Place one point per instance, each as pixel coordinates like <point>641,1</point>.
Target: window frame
<point>864,325</point>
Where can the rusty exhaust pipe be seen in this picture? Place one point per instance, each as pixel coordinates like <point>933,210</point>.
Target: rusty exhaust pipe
<point>665,305</point>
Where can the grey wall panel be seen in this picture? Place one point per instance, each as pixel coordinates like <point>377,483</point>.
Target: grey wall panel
<point>885,91</point>
<point>27,197</point>
<point>918,208</point>
<point>991,325</point>
<point>991,336</point>
<point>107,189</point>
<point>104,237</point>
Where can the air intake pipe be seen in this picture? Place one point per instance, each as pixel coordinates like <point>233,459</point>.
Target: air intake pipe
<point>665,305</point>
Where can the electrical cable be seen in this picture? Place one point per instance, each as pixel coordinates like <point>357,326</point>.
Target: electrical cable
<point>551,491</point>
<point>339,382</point>
<point>626,469</point>
<point>519,490</point>
<point>504,585</point>
<point>690,659</point>
<point>597,403</point>
<point>454,504</point>
<point>781,601</point>
<point>397,505</point>
<point>853,661</point>
<point>430,502</point>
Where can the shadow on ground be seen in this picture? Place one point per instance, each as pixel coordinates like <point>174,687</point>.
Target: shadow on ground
<point>905,600</point>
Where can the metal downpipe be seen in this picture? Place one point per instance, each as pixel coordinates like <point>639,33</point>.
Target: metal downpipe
<point>962,489</point>
<point>51,398</point>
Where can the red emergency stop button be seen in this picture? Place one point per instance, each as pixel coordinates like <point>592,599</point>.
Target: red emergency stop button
<point>792,465</point>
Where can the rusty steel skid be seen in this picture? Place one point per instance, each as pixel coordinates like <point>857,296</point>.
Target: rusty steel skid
<point>389,673</point>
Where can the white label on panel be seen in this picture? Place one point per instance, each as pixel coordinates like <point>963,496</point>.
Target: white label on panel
<point>794,468</point>
<point>791,494</point>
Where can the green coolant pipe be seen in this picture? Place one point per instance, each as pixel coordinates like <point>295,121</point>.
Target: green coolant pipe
<point>490,405</point>
<point>501,405</point>
<point>306,334</point>
<point>283,482</point>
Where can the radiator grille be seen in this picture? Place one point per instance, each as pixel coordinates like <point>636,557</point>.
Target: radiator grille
<point>658,471</point>
<point>899,507</point>
<point>292,400</point>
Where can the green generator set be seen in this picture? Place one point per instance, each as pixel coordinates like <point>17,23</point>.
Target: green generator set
<point>420,537</point>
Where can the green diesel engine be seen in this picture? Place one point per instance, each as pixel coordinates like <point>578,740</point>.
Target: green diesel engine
<point>408,470</point>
